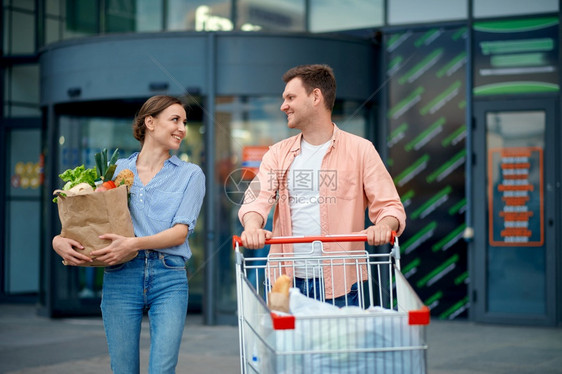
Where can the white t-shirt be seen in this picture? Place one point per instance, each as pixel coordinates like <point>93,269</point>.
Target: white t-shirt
<point>303,185</point>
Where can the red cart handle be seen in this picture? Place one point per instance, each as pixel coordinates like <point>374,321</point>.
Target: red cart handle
<point>309,239</point>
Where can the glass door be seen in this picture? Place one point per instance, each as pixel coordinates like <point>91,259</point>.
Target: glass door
<point>514,270</point>
<point>24,176</point>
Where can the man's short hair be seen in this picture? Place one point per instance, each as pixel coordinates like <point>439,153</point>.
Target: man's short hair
<point>315,76</point>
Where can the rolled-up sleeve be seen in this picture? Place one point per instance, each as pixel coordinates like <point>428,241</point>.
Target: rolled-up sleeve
<point>192,200</point>
<point>261,194</point>
<point>382,196</point>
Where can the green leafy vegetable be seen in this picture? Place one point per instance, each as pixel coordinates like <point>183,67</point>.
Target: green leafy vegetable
<point>79,175</point>
<point>105,167</point>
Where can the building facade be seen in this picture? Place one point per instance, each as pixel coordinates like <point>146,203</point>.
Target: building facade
<point>461,98</point>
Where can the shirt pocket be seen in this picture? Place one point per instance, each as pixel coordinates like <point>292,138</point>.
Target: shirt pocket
<point>163,205</point>
<point>347,185</point>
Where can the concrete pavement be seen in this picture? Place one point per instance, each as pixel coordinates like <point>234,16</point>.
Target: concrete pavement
<point>30,344</point>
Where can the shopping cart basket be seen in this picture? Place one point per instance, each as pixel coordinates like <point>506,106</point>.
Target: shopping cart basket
<point>386,334</point>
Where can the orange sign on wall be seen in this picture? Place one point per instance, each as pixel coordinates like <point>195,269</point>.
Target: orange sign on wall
<point>515,196</point>
<point>251,160</point>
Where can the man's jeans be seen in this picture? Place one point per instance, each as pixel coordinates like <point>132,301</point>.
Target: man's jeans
<point>153,282</point>
<point>312,288</point>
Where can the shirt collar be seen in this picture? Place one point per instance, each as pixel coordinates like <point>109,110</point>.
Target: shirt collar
<point>174,159</point>
<point>298,139</point>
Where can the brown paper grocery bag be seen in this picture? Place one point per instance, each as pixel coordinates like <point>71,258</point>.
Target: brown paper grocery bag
<point>85,217</point>
<point>278,301</point>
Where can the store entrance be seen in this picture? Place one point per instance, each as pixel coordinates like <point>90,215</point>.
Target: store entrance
<point>514,188</point>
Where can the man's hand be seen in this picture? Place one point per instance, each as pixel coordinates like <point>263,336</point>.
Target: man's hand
<point>255,238</point>
<point>381,233</point>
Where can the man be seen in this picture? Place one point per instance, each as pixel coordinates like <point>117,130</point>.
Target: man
<point>322,180</point>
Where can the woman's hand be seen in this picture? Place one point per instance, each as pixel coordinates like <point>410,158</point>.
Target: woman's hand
<point>65,248</point>
<point>120,248</point>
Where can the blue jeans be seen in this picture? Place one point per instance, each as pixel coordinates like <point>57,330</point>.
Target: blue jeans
<point>155,282</point>
<point>312,288</point>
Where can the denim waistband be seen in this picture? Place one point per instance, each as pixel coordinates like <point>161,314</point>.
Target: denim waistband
<point>148,253</point>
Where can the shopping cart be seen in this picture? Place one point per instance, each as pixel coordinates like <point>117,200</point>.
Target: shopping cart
<point>386,334</point>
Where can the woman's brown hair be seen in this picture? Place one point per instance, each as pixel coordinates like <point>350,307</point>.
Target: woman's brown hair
<point>152,107</point>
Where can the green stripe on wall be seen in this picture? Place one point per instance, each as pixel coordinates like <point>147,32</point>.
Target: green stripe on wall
<point>404,103</point>
<point>421,138</point>
<point>433,176</point>
<point>457,207</point>
<point>426,36</point>
<point>394,62</point>
<point>454,308</point>
<point>418,236</point>
<point>411,169</point>
<point>408,195</point>
<point>442,96</point>
<point>518,59</point>
<point>450,236</point>
<point>517,46</point>
<point>459,33</point>
<point>438,196</point>
<point>518,25</point>
<point>394,39</point>
<point>461,278</point>
<point>421,66</point>
<point>398,132</point>
<point>449,139</point>
<point>436,296</point>
<point>457,59</point>
<point>515,88</point>
<point>412,264</point>
<point>422,282</point>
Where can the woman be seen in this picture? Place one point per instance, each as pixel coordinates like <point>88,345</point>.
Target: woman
<point>165,201</point>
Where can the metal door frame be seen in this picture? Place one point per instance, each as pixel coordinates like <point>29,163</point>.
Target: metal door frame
<point>478,248</point>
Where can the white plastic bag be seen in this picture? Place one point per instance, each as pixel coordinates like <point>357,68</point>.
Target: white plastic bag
<point>344,340</point>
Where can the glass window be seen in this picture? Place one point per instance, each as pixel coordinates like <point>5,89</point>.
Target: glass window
<point>199,15</point>
<point>21,243</point>
<point>332,15</point>
<point>133,15</point>
<point>24,84</point>
<point>52,30</point>
<point>149,16</point>
<point>53,7</point>
<point>22,33</point>
<point>23,111</point>
<point>120,15</point>
<point>487,8</point>
<point>413,11</point>
<point>24,4</point>
<point>81,18</point>
<point>274,15</point>
<point>21,91</point>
